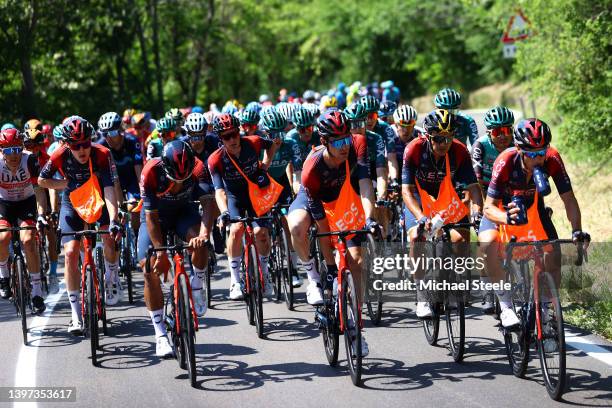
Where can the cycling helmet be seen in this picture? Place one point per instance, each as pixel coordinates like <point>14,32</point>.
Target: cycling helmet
<point>58,133</point>
<point>109,121</point>
<point>46,129</point>
<point>249,117</point>
<point>8,126</point>
<point>225,123</point>
<point>447,98</point>
<point>127,116</point>
<point>264,98</point>
<point>370,103</point>
<point>405,113</point>
<point>387,108</point>
<point>230,108</point>
<point>139,119</point>
<point>10,138</point>
<point>285,109</point>
<point>532,133</point>
<point>314,108</point>
<point>165,125</point>
<point>333,124</point>
<point>196,123</point>
<point>303,117</point>
<point>76,129</point>
<point>197,109</point>
<point>210,116</point>
<point>33,124</point>
<point>273,120</point>
<point>329,102</point>
<point>440,121</point>
<point>355,111</point>
<point>256,106</point>
<point>33,136</point>
<point>178,160</point>
<point>498,116</point>
<point>309,95</point>
<point>177,115</point>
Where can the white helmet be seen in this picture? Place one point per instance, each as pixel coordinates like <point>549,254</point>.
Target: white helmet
<point>195,123</point>
<point>109,121</point>
<point>405,113</point>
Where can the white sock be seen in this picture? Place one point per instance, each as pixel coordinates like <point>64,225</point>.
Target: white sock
<point>157,317</point>
<point>505,299</point>
<point>112,271</point>
<point>75,304</point>
<point>235,268</point>
<point>196,278</point>
<point>36,284</point>
<point>263,260</point>
<point>4,271</point>
<point>309,267</point>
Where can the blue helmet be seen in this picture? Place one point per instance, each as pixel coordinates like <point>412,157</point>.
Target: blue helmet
<point>197,109</point>
<point>8,126</point>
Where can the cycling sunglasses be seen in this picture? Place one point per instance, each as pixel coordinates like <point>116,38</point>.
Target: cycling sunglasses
<point>406,124</point>
<point>229,135</point>
<point>305,129</point>
<point>339,143</point>
<point>197,137</point>
<point>441,139</point>
<point>78,146</point>
<point>373,115</point>
<point>12,150</point>
<point>112,133</point>
<point>504,130</point>
<point>534,154</point>
<point>358,124</point>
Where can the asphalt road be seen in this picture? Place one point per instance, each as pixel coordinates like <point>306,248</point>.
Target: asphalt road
<point>286,368</point>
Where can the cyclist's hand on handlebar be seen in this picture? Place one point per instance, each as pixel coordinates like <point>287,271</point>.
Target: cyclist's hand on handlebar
<point>476,218</point>
<point>223,219</point>
<point>162,263</point>
<point>41,223</point>
<point>425,223</point>
<point>197,242</point>
<point>116,229</point>
<point>579,236</point>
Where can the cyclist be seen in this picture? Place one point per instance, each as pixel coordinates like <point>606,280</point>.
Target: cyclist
<point>425,172</point>
<point>285,160</point>
<point>126,119</point>
<point>176,115</point>
<point>513,177</point>
<point>286,110</point>
<point>323,176</point>
<point>128,160</point>
<point>168,186</point>
<point>386,111</point>
<point>404,119</point>
<point>328,103</point>
<point>74,160</point>
<point>165,129</point>
<point>450,100</point>
<point>498,122</point>
<point>305,137</point>
<point>374,124</point>
<point>140,130</point>
<point>231,192</point>
<point>249,120</point>
<point>20,199</point>
<point>34,143</point>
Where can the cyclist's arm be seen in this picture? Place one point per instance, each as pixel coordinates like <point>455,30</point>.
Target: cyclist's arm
<point>475,195</point>
<point>409,192</point>
<point>393,167</point>
<point>111,202</point>
<point>367,196</point>
<point>154,228</point>
<point>381,182</point>
<point>118,191</point>
<point>41,200</point>
<point>493,212</point>
<point>572,210</point>
<point>52,183</point>
<point>221,199</point>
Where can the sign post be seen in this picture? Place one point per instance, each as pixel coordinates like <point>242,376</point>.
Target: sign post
<point>518,29</point>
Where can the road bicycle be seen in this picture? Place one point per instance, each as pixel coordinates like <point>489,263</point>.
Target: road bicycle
<point>281,268</point>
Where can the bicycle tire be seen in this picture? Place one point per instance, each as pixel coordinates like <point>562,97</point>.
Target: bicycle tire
<point>352,331</point>
<point>126,267</point>
<point>187,329</point>
<point>288,272</point>
<point>456,332</point>
<point>431,326</point>
<point>101,272</point>
<point>92,315</point>
<point>554,377</point>
<point>177,341</point>
<point>210,268</point>
<point>257,291</point>
<point>22,295</point>
<point>44,264</point>
<point>275,265</point>
<point>375,305</point>
<point>516,339</point>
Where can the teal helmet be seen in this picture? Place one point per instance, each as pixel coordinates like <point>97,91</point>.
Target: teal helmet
<point>447,98</point>
<point>498,116</point>
<point>355,111</point>
<point>176,115</point>
<point>8,126</point>
<point>249,117</point>
<point>272,120</point>
<point>165,125</point>
<point>369,103</point>
<point>58,133</point>
<point>303,117</point>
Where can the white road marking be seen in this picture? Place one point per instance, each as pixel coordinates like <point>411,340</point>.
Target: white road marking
<point>25,372</point>
<point>591,349</point>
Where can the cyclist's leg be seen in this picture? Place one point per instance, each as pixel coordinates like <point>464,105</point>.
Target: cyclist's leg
<point>111,263</point>
<point>234,246</point>
<point>69,222</point>
<point>133,195</point>
<point>5,241</point>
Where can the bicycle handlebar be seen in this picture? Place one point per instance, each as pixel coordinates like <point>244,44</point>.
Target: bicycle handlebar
<point>84,232</point>
<point>582,254</point>
<point>249,220</point>
<point>343,233</point>
<point>17,229</point>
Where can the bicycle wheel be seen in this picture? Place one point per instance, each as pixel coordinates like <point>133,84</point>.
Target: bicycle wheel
<point>187,329</point>
<point>374,303</point>
<point>21,292</point>
<point>210,269</point>
<point>431,326</point>
<point>455,325</point>
<point>92,315</point>
<point>275,266</point>
<point>516,339</point>
<point>551,338</point>
<point>352,331</point>
<point>288,272</point>
<point>170,318</point>
<point>256,291</point>
<point>44,264</point>
<point>126,263</point>
<point>101,272</point>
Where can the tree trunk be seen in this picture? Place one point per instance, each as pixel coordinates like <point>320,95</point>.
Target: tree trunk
<point>25,32</point>
<point>200,59</point>
<point>119,64</point>
<point>144,54</point>
<point>158,69</point>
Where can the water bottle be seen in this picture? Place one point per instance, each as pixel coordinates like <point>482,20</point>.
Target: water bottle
<point>436,223</point>
<point>541,181</point>
<point>522,214</point>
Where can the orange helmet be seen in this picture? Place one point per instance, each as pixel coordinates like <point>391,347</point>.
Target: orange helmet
<point>33,124</point>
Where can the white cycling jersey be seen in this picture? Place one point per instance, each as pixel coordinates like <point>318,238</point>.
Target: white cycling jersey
<point>19,185</point>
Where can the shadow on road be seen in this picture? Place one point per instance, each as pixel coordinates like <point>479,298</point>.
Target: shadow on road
<point>289,329</point>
